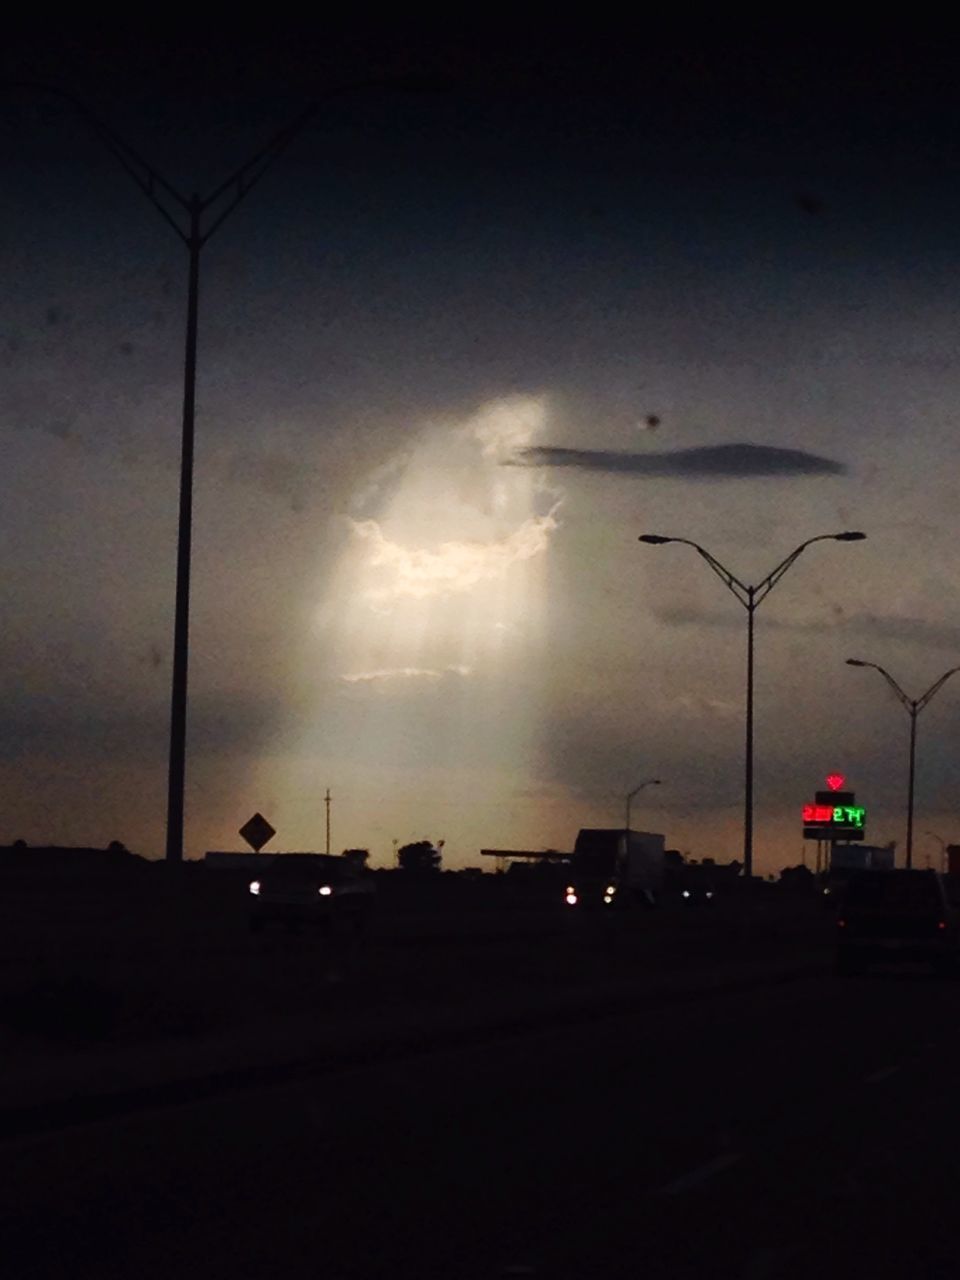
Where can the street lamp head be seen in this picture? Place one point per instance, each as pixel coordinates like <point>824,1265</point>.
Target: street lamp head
<point>851,535</point>
<point>855,662</point>
<point>655,539</point>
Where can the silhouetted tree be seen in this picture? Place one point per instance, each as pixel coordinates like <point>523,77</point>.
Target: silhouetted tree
<point>117,846</point>
<point>356,857</point>
<point>419,858</point>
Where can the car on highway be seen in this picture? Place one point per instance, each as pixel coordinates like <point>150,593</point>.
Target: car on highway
<point>697,895</point>
<point>897,916</point>
<point>311,889</point>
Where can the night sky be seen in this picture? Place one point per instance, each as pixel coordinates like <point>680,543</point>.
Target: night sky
<point>457,351</point>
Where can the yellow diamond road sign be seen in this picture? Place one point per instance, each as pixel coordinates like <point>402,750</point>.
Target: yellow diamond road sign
<point>257,832</point>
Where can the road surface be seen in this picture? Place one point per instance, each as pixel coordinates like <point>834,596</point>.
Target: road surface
<point>803,1129</point>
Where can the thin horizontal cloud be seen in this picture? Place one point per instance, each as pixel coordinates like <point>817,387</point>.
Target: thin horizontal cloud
<point>403,673</point>
<point>714,462</point>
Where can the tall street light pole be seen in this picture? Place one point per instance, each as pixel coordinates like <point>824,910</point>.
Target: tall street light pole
<point>651,782</point>
<point>914,706</point>
<point>751,598</point>
<point>186,215</point>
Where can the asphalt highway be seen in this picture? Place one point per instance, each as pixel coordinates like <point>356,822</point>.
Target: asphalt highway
<point>802,1129</point>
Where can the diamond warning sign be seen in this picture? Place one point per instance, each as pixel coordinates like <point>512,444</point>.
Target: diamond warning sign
<point>257,832</point>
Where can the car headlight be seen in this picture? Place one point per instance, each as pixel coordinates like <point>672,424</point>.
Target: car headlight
<point>608,898</point>
<point>571,899</point>
<point>709,893</point>
<point>325,891</point>
<point>254,887</point>
<point>611,889</point>
<point>686,893</point>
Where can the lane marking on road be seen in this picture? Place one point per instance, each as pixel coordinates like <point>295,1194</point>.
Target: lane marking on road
<point>699,1175</point>
<point>883,1074</point>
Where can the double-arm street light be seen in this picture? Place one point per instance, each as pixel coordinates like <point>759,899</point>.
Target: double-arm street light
<point>751,597</point>
<point>194,219</point>
<point>914,706</point>
<point>651,782</point>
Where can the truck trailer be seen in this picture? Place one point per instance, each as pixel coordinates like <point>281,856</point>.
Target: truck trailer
<point>615,868</point>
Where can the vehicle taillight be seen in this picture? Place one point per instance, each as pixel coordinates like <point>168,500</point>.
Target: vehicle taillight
<point>941,924</point>
<point>841,924</point>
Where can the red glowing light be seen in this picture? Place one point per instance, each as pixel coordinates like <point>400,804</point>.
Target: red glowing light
<point>835,781</point>
<point>818,813</point>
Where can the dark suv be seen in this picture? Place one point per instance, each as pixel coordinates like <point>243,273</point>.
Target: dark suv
<point>893,916</point>
<point>312,889</point>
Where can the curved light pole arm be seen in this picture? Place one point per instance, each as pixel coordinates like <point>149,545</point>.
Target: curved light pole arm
<point>147,178</point>
<point>907,701</point>
<point>729,579</point>
<point>764,588</point>
<point>247,175</point>
<point>922,702</point>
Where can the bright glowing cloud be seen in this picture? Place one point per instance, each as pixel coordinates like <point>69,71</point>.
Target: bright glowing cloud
<point>420,572</point>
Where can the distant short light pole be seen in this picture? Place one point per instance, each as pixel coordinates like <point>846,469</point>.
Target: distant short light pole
<point>651,782</point>
<point>943,848</point>
<point>751,597</point>
<point>914,706</point>
<point>185,215</point>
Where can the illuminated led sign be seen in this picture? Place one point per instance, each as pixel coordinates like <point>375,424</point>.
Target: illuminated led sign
<point>844,815</point>
<point>834,815</point>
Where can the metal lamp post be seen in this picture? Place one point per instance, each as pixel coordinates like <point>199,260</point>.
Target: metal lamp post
<point>943,848</point>
<point>651,782</point>
<point>914,706</point>
<point>751,597</point>
<point>195,219</point>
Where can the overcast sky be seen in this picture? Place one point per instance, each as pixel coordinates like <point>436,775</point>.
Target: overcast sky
<point>457,351</point>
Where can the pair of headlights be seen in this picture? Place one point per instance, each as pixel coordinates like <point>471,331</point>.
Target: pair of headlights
<point>572,898</point>
<point>324,891</point>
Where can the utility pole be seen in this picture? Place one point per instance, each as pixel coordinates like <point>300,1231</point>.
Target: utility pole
<point>326,801</point>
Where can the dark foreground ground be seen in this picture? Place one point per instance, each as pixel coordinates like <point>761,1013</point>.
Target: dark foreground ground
<point>127,983</point>
<point>806,1128</point>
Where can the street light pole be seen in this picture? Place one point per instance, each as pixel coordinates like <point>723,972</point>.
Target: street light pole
<point>181,622</point>
<point>751,606</point>
<point>218,204</point>
<point>651,782</point>
<point>913,707</point>
<point>751,597</point>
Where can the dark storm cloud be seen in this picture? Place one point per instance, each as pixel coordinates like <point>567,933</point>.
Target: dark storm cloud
<point>714,462</point>
<point>65,728</point>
